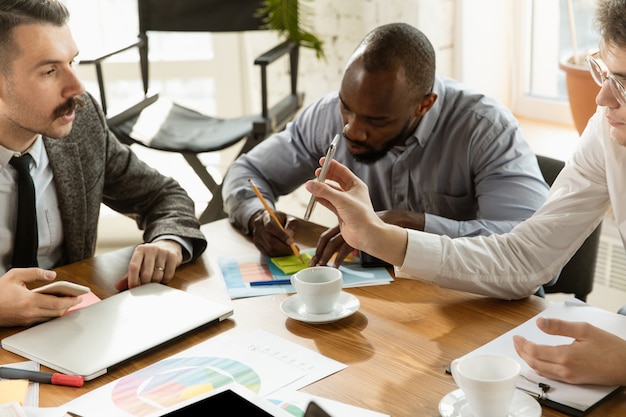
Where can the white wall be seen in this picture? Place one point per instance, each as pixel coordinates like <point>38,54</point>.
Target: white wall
<point>342,25</point>
<point>485,46</point>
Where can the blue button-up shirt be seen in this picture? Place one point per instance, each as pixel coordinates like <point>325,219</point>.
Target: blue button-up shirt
<point>466,166</point>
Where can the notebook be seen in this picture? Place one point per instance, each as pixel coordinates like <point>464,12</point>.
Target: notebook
<point>93,339</point>
<point>573,400</point>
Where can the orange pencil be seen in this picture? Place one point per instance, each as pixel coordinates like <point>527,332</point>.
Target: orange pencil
<point>294,248</point>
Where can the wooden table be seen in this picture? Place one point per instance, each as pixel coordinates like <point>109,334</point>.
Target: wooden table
<point>396,346</point>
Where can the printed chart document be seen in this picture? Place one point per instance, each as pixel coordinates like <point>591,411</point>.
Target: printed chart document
<point>296,402</point>
<point>574,400</point>
<point>258,360</point>
<point>239,271</point>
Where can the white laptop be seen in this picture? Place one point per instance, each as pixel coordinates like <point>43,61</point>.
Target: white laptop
<point>90,340</point>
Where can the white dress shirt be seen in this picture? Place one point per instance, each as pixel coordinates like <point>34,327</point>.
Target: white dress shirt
<point>515,264</point>
<point>49,225</point>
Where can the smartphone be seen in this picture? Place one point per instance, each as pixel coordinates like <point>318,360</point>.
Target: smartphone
<point>63,289</point>
<point>369,261</point>
<point>314,410</point>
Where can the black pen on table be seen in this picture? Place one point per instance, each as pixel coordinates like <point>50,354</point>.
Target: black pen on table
<point>43,377</point>
<point>293,246</point>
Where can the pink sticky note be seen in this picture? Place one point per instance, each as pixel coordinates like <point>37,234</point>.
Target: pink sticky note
<point>87,300</point>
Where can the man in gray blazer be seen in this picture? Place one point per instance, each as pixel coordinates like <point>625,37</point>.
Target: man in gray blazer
<point>76,164</point>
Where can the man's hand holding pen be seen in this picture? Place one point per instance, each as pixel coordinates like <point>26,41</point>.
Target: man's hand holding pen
<point>268,237</point>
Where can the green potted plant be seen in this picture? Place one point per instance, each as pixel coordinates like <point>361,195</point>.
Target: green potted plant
<point>288,18</point>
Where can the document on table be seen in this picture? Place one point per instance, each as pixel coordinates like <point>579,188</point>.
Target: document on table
<point>239,271</point>
<point>295,402</point>
<point>32,394</point>
<point>260,361</point>
<point>574,400</point>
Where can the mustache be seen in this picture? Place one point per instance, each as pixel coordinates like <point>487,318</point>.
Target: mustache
<point>70,105</point>
<point>357,143</point>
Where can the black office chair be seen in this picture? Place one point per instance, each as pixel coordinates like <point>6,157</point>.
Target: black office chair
<point>577,275</point>
<point>187,131</point>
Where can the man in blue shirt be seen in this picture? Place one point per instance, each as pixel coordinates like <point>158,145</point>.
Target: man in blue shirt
<point>435,155</point>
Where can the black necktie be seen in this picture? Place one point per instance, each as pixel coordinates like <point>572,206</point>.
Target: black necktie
<point>26,240</point>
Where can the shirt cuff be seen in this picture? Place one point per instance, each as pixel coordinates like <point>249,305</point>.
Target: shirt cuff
<point>440,225</point>
<point>422,259</point>
<point>185,243</point>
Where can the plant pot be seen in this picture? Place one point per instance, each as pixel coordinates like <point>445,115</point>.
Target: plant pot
<point>582,91</point>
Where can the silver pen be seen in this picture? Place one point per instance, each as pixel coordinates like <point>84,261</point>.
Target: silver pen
<point>322,176</point>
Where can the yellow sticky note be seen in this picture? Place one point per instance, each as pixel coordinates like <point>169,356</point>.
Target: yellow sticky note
<point>292,264</point>
<point>13,390</point>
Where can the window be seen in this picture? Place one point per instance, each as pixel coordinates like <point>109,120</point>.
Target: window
<point>182,68</point>
<point>545,39</point>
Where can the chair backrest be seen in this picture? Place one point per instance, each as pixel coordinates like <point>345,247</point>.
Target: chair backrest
<point>199,15</point>
<point>222,16</point>
<point>577,275</point>
<point>193,16</point>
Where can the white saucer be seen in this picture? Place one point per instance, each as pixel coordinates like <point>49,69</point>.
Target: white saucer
<point>293,307</point>
<point>454,405</point>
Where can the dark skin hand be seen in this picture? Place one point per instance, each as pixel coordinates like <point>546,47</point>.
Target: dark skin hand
<point>331,241</point>
<point>267,236</point>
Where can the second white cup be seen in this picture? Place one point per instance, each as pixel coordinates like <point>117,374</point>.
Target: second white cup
<point>488,382</point>
<point>319,288</point>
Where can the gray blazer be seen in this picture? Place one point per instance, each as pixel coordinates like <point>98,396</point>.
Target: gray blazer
<point>91,167</point>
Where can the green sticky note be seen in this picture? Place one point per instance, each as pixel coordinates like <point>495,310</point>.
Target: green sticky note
<point>292,264</point>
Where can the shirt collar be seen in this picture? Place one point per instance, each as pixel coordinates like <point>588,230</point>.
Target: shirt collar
<point>35,151</point>
<point>429,120</point>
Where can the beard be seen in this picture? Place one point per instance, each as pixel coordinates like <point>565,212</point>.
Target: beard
<point>372,155</point>
<point>24,118</point>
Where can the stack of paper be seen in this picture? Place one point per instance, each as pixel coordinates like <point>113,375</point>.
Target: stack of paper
<point>240,271</point>
<point>20,391</point>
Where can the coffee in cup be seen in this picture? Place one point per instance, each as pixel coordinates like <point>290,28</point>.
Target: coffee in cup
<point>319,288</point>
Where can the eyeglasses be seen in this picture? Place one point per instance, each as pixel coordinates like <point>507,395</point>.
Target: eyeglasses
<point>598,70</point>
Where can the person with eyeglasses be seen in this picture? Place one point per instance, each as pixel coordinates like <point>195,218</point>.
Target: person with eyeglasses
<point>591,182</point>
<point>600,74</point>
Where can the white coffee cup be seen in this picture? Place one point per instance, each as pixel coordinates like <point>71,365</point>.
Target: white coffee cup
<point>318,287</point>
<point>488,382</point>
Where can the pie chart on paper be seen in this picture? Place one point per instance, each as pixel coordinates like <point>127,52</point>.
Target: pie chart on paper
<point>173,380</point>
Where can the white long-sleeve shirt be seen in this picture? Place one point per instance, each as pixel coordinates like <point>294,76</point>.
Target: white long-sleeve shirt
<point>515,264</point>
